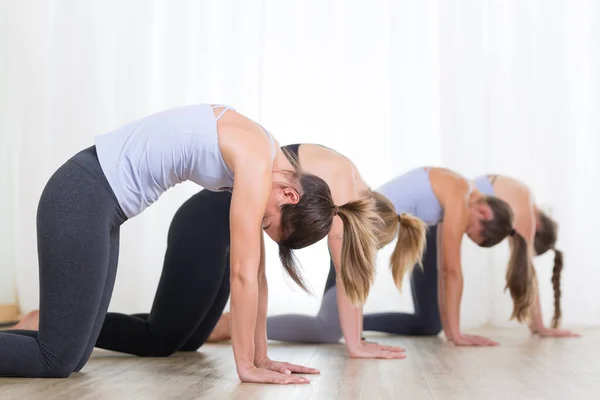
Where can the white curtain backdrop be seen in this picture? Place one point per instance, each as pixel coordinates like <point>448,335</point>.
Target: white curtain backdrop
<point>489,86</point>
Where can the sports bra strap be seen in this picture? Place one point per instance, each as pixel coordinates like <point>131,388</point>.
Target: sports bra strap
<point>225,109</point>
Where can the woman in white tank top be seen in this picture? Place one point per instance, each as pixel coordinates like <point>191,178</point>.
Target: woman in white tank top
<point>92,194</point>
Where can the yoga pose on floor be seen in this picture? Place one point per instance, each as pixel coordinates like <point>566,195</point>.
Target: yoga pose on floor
<point>199,235</point>
<point>92,194</point>
<point>452,207</point>
<point>540,233</point>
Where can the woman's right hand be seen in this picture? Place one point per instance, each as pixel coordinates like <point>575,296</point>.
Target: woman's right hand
<point>262,375</point>
<point>373,350</point>
<point>473,340</point>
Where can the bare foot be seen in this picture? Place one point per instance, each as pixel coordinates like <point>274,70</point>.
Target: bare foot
<point>30,322</point>
<point>222,331</point>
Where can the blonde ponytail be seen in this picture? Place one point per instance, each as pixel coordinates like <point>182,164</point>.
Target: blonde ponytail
<point>409,247</point>
<point>359,248</point>
<point>411,233</point>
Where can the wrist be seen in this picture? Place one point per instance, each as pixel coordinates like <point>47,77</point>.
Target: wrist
<point>245,365</point>
<point>537,328</point>
<point>354,344</point>
<point>354,348</point>
<point>260,358</point>
<point>455,333</point>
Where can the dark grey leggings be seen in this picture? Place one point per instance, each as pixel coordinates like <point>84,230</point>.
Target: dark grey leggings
<point>424,287</point>
<point>325,326</point>
<point>78,224</point>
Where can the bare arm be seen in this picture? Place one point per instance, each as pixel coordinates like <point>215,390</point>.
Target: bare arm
<point>441,292</point>
<point>344,191</point>
<point>260,333</point>
<point>349,314</point>
<point>248,153</point>
<point>250,194</point>
<point>456,214</point>
<point>453,228</point>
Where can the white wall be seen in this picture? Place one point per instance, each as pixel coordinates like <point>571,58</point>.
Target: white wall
<point>7,217</point>
<point>492,86</point>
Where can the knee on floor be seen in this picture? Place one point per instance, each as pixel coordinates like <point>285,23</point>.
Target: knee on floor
<point>432,328</point>
<point>58,369</point>
<point>159,348</point>
<point>330,335</point>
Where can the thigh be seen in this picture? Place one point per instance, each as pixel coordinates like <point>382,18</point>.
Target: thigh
<point>424,283</point>
<point>207,325</point>
<point>73,226</point>
<point>106,296</point>
<point>194,267</point>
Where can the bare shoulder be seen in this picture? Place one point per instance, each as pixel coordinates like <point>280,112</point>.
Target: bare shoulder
<point>448,185</point>
<point>314,156</point>
<point>516,193</point>
<point>242,138</point>
<point>506,182</point>
<point>338,171</point>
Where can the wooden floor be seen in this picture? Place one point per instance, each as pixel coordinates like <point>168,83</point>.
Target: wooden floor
<point>523,367</point>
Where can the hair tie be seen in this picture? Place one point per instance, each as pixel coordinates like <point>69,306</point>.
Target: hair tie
<point>512,232</point>
<point>335,210</point>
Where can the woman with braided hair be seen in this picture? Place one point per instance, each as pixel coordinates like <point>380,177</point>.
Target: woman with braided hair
<point>451,206</point>
<point>540,233</point>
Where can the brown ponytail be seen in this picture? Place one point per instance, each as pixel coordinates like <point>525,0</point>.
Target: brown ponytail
<point>520,273</point>
<point>519,278</point>
<point>359,247</point>
<point>310,220</point>
<point>409,247</point>
<point>556,272</point>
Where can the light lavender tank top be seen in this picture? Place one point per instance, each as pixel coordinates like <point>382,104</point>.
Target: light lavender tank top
<point>412,193</point>
<point>484,185</point>
<point>145,158</point>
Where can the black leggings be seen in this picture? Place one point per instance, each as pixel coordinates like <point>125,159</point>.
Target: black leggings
<point>78,222</point>
<point>193,288</point>
<point>424,286</point>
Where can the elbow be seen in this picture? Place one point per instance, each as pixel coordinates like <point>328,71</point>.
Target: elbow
<point>243,282</point>
<point>452,273</point>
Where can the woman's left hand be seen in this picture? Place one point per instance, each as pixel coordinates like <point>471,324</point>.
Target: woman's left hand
<point>559,333</point>
<point>382,347</point>
<point>285,367</point>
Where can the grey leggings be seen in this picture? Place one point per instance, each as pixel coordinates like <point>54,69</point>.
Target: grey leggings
<point>78,224</point>
<point>325,326</point>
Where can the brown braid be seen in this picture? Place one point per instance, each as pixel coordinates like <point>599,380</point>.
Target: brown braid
<point>556,271</point>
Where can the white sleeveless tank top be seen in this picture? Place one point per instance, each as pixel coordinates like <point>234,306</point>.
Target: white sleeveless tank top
<point>145,158</point>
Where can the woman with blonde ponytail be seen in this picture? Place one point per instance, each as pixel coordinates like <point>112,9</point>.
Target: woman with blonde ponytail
<point>349,282</point>
<point>535,234</point>
<point>198,252</point>
<point>450,206</point>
